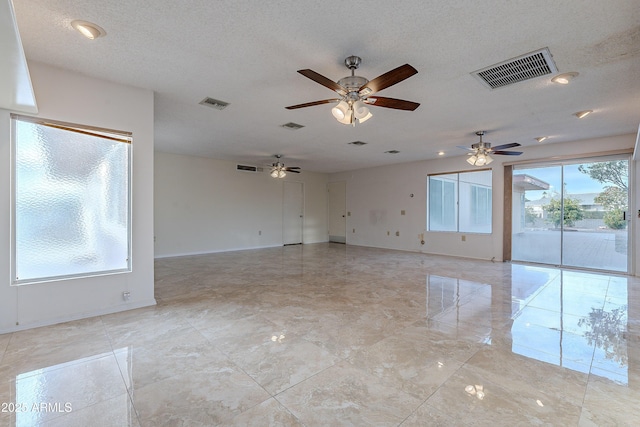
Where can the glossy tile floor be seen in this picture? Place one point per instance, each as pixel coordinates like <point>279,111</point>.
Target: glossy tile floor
<point>330,335</point>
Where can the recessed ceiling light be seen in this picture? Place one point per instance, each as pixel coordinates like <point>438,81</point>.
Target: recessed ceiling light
<point>440,153</point>
<point>88,29</point>
<point>541,138</point>
<point>581,114</point>
<point>564,78</point>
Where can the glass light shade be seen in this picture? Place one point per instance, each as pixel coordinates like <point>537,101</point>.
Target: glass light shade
<point>281,174</point>
<point>365,118</point>
<point>340,110</point>
<point>472,160</point>
<point>488,160</point>
<point>481,160</point>
<point>274,173</point>
<point>360,110</point>
<point>348,118</point>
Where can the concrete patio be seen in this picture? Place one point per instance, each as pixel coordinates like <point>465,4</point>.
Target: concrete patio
<point>602,250</point>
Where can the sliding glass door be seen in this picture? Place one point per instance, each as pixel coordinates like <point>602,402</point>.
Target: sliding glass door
<point>535,237</point>
<point>572,214</point>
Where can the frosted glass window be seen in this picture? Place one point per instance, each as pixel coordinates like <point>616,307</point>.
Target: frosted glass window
<point>71,201</point>
<point>460,202</point>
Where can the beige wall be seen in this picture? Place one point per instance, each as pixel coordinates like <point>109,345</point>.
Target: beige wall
<point>204,205</point>
<point>376,197</point>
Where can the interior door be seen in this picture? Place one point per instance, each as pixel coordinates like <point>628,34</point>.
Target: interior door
<point>337,211</point>
<point>293,213</point>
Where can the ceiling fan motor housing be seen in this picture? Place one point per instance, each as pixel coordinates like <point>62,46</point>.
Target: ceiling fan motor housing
<point>352,84</point>
<point>482,144</point>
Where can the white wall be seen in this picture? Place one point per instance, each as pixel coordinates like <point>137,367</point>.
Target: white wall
<point>204,205</point>
<point>71,97</point>
<point>376,197</point>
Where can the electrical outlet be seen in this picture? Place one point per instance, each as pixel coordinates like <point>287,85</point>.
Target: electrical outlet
<point>354,230</point>
<point>464,238</point>
<point>388,233</point>
<point>259,232</point>
<point>126,295</point>
<point>397,233</point>
<point>402,212</point>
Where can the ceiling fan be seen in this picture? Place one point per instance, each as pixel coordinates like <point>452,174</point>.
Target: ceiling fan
<point>480,151</point>
<point>278,169</point>
<point>357,92</point>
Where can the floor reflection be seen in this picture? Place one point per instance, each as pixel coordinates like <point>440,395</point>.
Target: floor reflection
<point>68,389</point>
<point>575,320</point>
<point>331,334</point>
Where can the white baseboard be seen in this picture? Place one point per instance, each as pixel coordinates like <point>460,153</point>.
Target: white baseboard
<point>215,251</point>
<point>78,316</point>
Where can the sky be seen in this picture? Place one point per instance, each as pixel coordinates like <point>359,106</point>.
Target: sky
<point>577,182</point>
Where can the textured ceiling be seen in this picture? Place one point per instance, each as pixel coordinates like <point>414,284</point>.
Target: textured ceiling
<point>247,53</point>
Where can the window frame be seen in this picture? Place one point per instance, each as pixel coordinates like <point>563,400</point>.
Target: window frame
<point>105,133</point>
<point>457,201</point>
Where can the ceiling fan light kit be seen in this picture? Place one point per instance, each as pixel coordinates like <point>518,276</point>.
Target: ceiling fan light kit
<point>278,173</point>
<point>481,150</point>
<point>279,170</point>
<point>355,92</point>
<point>479,159</point>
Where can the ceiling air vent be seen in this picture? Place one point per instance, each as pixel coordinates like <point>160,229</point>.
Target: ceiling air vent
<point>524,67</point>
<point>292,126</point>
<point>358,143</point>
<point>246,168</point>
<point>214,103</point>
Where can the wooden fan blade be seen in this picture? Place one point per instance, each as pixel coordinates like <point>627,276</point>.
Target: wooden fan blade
<point>398,104</point>
<point>507,153</point>
<point>504,146</point>
<point>311,104</point>
<point>324,81</point>
<point>292,167</point>
<point>292,171</point>
<point>388,79</point>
